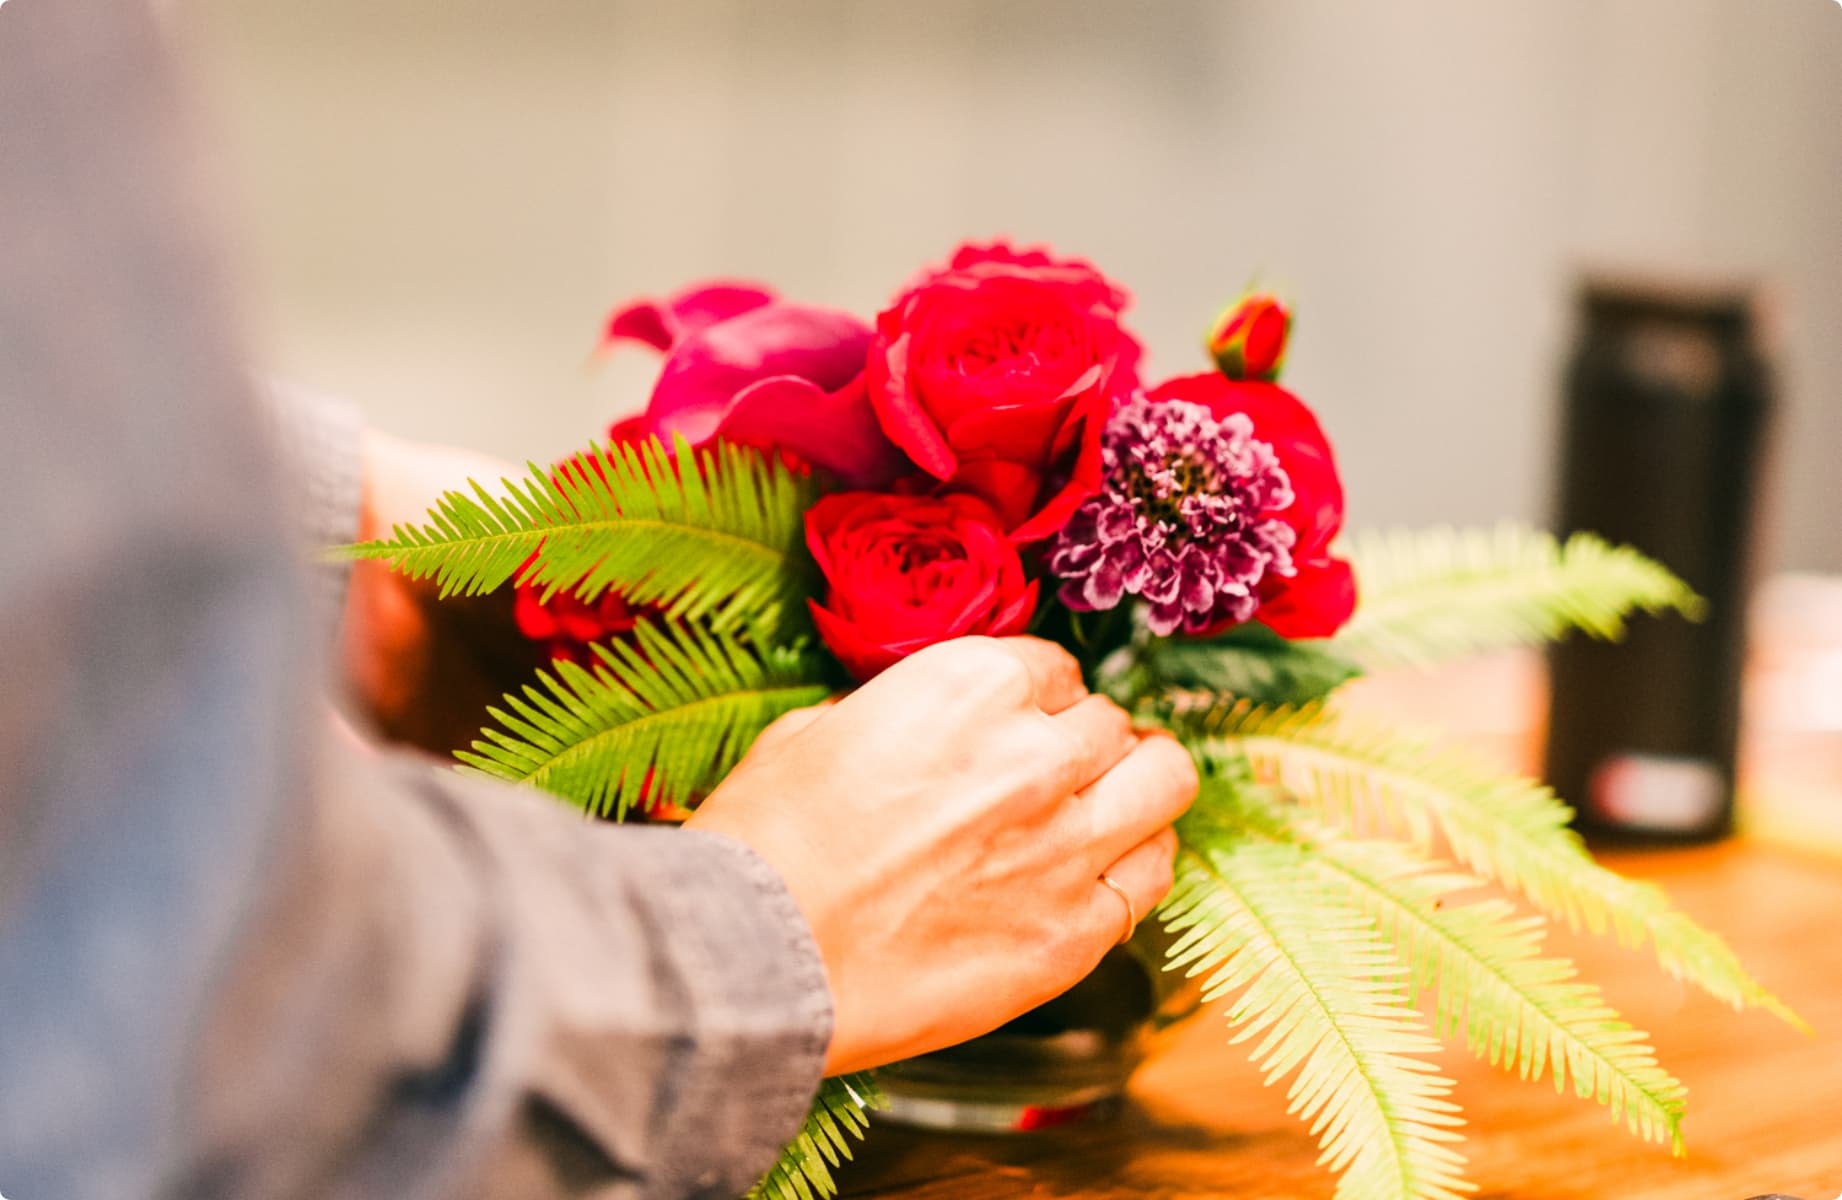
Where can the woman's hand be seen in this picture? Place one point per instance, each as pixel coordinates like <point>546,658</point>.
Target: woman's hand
<point>944,830</point>
<point>422,671</point>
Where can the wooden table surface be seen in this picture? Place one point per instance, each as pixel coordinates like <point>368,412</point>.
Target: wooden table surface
<point>1765,1102</point>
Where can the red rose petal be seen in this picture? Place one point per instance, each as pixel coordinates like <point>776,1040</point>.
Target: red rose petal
<point>1314,603</point>
<point>906,571</point>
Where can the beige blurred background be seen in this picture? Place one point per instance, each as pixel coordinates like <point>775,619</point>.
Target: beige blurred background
<point>441,198</point>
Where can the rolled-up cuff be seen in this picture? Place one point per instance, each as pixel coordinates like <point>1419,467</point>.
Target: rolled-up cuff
<point>682,1012</point>
<point>320,441</point>
<point>771,1006</point>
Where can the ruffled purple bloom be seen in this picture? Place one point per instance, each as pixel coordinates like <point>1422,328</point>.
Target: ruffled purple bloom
<point>1185,519</point>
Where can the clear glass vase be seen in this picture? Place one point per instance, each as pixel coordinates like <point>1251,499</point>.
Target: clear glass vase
<point>1065,1062</point>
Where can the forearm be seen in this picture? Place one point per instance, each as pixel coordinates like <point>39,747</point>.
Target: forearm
<point>648,1003</point>
<point>484,987</point>
<point>233,962</point>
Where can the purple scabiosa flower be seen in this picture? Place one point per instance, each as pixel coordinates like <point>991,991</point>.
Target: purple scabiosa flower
<point>1184,519</point>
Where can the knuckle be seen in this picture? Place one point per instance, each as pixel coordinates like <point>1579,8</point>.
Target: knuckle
<point>1049,746</point>
<point>1112,721</point>
<point>1061,664</point>
<point>1001,672</point>
<point>1177,769</point>
<point>972,665</point>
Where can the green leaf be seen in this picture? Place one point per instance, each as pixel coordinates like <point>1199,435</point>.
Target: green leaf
<point>839,1116</point>
<point>664,716</point>
<point>1517,1009</point>
<point>1251,663</point>
<point>715,533</point>
<point>1432,595</point>
<point>1503,828</point>
<point>1317,985</point>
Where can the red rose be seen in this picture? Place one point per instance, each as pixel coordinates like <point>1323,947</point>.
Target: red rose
<point>747,367</point>
<point>567,625</point>
<point>904,572</point>
<point>1316,600</point>
<point>996,374</point>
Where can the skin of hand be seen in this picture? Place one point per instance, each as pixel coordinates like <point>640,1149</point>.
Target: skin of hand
<point>421,670</point>
<point>944,829</point>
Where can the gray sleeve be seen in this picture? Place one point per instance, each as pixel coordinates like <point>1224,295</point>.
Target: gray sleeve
<point>319,439</point>
<point>241,954</point>
<point>493,997</point>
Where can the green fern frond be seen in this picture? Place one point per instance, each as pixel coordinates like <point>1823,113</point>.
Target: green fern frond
<point>1516,1009</point>
<point>1322,992</point>
<point>707,533</point>
<point>664,717</point>
<point>1504,828</point>
<point>839,1116</point>
<point>1437,594</point>
<point>1250,662</point>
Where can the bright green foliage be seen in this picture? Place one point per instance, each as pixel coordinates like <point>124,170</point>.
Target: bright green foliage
<point>1251,662</point>
<point>709,533</point>
<point>1316,983</point>
<point>1503,828</point>
<point>1442,593</point>
<point>665,715</point>
<point>838,1117</point>
<point>1483,961</point>
<point>1312,893</point>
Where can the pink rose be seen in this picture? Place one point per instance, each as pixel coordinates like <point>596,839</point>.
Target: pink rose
<point>745,366</point>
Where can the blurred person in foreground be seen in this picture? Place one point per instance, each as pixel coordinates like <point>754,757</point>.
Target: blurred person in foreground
<point>243,954</point>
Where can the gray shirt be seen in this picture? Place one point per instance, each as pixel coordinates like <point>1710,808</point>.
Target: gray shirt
<point>240,953</point>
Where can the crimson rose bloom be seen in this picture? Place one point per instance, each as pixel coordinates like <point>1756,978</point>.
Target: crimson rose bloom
<point>904,572</point>
<point>996,374</point>
<point>567,625</point>
<point>564,624</point>
<point>1320,595</point>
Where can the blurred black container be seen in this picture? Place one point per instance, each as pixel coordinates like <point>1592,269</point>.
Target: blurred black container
<point>1668,401</point>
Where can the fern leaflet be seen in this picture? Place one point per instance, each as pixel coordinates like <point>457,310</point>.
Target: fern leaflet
<point>1437,594</point>
<point>707,533</point>
<point>1483,961</point>
<point>1506,829</point>
<point>839,1115</point>
<point>662,718</point>
<point>1321,990</point>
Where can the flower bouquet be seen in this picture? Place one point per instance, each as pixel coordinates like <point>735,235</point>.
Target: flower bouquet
<point>809,498</point>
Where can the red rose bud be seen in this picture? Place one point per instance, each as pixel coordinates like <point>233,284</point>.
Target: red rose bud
<point>1248,341</point>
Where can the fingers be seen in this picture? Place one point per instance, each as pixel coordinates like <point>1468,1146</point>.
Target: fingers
<point>1055,674</point>
<point>1100,735</point>
<point>1144,874</point>
<point>1148,789</point>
